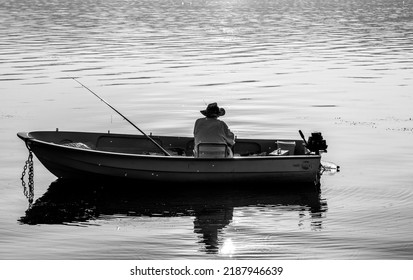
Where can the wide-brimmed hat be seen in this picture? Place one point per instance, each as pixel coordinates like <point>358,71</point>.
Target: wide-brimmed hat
<point>213,110</point>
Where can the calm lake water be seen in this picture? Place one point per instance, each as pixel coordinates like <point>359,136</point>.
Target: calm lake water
<point>342,67</point>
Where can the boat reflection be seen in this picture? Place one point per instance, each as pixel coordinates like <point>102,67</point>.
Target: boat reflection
<point>68,202</point>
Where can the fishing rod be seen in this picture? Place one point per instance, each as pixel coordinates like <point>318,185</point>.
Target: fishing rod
<point>125,118</point>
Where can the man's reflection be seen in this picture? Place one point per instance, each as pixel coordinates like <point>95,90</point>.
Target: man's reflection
<point>209,223</point>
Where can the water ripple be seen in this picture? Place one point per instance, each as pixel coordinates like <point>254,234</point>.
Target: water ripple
<point>343,67</point>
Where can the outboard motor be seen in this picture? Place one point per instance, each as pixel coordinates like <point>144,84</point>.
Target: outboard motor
<point>316,143</point>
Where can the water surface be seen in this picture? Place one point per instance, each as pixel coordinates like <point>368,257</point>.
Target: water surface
<point>340,67</point>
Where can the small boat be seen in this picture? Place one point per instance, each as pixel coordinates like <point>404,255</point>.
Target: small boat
<point>69,154</point>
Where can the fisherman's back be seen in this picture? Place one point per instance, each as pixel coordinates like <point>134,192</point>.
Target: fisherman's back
<point>212,130</point>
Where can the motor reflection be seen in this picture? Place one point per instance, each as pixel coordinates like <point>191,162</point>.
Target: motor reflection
<point>69,201</point>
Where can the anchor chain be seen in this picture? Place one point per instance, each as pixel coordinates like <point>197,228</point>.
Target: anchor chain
<point>28,189</point>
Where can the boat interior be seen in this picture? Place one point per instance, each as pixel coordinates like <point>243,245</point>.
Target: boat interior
<point>177,146</point>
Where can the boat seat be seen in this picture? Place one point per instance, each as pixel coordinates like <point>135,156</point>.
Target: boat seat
<point>287,145</point>
<point>245,148</point>
<point>212,150</point>
<point>127,144</point>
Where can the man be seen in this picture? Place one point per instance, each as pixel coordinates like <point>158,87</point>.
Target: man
<point>212,130</point>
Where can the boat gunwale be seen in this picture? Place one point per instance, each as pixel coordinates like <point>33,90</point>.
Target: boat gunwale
<point>25,136</point>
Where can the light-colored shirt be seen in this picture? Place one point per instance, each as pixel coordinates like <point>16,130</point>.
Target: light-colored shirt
<point>212,130</point>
